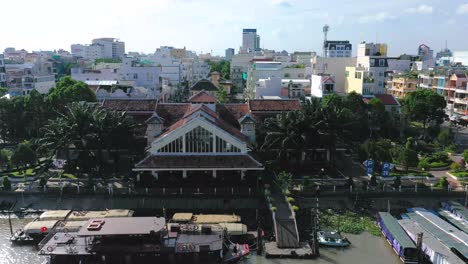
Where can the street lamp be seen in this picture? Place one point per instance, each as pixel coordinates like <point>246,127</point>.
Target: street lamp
<point>422,176</point>
<point>322,172</point>
<point>78,176</point>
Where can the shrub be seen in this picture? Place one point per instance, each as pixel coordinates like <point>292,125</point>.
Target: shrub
<point>287,192</point>
<point>461,174</point>
<point>465,154</point>
<point>6,183</point>
<point>443,182</point>
<point>424,164</point>
<point>452,148</point>
<point>290,200</point>
<point>456,167</point>
<point>273,208</point>
<point>446,137</point>
<point>295,208</point>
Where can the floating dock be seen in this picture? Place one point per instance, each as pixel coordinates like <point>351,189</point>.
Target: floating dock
<point>454,239</point>
<point>401,243</point>
<point>437,252</point>
<point>457,209</point>
<point>303,252</point>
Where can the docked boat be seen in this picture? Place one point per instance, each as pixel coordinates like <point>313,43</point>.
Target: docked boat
<point>37,229</point>
<point>332,239</point>
<point>113,240</point>
<point>401,243</point>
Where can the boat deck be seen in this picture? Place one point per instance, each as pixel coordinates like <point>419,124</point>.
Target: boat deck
<point>454,220</point>
<point>272,251</point>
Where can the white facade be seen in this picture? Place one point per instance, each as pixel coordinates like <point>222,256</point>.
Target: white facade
<point>144,76</point>
<point>321,85</point>
<point>21,79</point>
<point>398,66</point>
<point>372,49</point>
<point>261,70</point>
<point>338,49</point>
<point>268,87</point>
<point>335,67</point>
<point>80,74</point>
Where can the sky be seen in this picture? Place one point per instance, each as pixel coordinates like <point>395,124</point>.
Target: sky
<point>214,25</point>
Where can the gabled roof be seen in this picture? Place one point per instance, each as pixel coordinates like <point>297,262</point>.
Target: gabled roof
<point>387,99</point>
<point>204,84</point>
<point>203,97</point>
<point>248,117</point>
<point>171,113</point>
<point>274,105</point>
<point>154,119</point>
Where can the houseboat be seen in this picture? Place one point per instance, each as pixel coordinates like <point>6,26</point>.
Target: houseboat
<point>456,209</point>
<point>34,231</point>
<point>401,243</point>
<point>332,239</point>
<point>137,240</point>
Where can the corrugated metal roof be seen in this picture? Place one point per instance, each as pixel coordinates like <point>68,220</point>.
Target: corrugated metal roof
<point>398,233</point>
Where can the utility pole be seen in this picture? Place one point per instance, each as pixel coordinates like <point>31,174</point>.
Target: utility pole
<point>419,247</point>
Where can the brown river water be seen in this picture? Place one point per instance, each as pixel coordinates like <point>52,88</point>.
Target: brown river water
<point>365,249</point>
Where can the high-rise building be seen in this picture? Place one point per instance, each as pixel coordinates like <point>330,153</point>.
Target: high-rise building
<point>102,48</point>
<point>337,49</point>
<point>229,54</point>
<point>425,52</point>
<point>2,72</point>
<point>112,48</point>
<point>250,40</point>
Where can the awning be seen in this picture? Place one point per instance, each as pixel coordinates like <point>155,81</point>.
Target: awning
<point>198,162</point>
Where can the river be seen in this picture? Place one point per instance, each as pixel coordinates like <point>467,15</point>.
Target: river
<point>365,249</point>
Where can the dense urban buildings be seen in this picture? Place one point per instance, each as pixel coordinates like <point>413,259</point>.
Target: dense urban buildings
<point>102,48</point>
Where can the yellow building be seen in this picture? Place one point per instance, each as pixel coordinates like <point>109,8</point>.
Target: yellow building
<point>401,86</point>
<point>359,80</point>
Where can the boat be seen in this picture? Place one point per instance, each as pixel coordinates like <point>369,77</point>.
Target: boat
<point>401,243</point>
<point>37,229</point>
<point>128,239</point>
<point>332,239</point>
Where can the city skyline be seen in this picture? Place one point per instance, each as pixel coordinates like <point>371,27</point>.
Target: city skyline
<point>292,25</point>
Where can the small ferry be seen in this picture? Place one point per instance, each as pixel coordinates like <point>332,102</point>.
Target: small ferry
<point>332,239</point>
<point>401,243</point>
<point>140,239</point>
<point>34,231</point>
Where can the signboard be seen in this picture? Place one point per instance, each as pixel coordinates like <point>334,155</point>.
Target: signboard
<point>244,76</point>
<point>370,166</point>
<point>386,169</point>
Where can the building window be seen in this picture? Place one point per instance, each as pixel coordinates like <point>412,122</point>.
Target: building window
<point>347,73</point>
<point>358,75</point>
<point>381,63</point>
<point>199,140</point>
<point>135,76</point>
<point>372,62</point>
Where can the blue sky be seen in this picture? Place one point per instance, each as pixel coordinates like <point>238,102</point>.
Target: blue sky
<point>205,25</point>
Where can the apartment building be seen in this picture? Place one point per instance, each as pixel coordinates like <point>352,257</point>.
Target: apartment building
<point>402,85</point>
<point>2,72</point>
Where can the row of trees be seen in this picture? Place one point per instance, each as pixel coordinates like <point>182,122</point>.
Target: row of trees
<point>350,122</point>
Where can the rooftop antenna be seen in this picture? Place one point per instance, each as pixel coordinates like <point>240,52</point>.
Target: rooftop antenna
<point>326,28</point>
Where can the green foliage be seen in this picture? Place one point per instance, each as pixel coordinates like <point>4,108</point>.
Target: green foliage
<point>456,167</point>
<point>296,66</point>
<point>6,183</point>
<point>3,91</point>
<point>446,137</point>
<point>460,174</point>
<point>443,182</point>
<point>290,199</point>
<point>4,157</point>
<point>295,208</point>
<point>23,155</point>
<point>273,208</point>
<point>68,90</point>
<point>424,164</point>
<point>223,67</point>
<point>465,154</point>
<point>349,222</point>
<point>408,158</point>
<point>285,180</point>
<point>452,148</point>
<point>425,106</point>
<point>222,95</point>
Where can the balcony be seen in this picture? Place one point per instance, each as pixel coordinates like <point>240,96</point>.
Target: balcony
<point>461,100</point>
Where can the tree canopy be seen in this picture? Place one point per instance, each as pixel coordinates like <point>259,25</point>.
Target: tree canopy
<point>223,67</point>
<point>68,90</point>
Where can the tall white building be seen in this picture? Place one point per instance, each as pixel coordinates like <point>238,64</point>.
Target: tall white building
<point>250,40</point>
<point>102,48</point>
<point>425,52</point>
<point>261,70</point>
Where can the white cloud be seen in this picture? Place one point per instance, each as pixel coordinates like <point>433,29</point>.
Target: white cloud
<point>423,9</point>
<point>281,3</point>
<point>381,16</point>
<point>463,9</point>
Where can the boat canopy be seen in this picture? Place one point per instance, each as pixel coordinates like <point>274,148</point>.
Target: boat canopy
<point>86,215</point>
<point>38,227</point>
<point>215,219</point>
<point>54,215</point>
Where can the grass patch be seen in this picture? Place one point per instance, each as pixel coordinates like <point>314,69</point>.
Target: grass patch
<point>439,164</point>
<point>460,174</point>
<point>349,222</point>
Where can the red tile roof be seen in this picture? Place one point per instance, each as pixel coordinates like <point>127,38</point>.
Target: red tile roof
<point>199,162</point>
<point>204,84</point>
<point>146,105</point>
<point>263,105</point>
<point>236,110</point>
<point>387,99</point>
<point>203,97</point>
<point>171,113</point>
